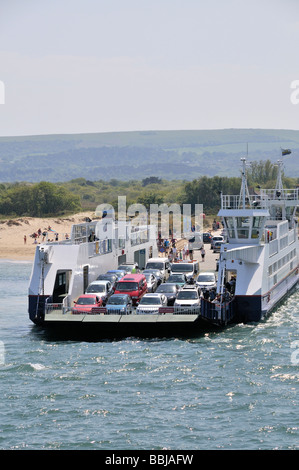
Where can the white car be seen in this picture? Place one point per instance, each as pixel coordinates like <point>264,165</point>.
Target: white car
<point>102,289</point>
<point>206,280</point>
<point>217,238</point>
<point>150,303</point>
<point>188,297</point>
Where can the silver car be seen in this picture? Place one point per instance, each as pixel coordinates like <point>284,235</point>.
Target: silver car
<point>151,281</point>
<point>150,304</point>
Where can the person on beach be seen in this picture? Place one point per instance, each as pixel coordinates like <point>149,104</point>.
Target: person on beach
<point>25,239</point>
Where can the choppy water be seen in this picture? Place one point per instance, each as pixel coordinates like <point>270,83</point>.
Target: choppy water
<point>236,389</point>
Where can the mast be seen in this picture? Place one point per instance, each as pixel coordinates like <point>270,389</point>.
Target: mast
<point>279,187</point>
<point>244,193</point>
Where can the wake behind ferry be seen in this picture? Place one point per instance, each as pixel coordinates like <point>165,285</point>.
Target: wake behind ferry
<point>258,266</point>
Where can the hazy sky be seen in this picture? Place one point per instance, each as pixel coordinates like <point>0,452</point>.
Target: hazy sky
<point>71,66</point>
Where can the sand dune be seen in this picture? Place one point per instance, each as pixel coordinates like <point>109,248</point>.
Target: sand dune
<point>12,232</point>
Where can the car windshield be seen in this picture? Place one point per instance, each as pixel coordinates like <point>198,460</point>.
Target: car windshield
<point>107,277</point>
<point>150,301</point>
<point>86,301</point>
<point>176,277</point>
<point>127,286</point>
<point>148,277</point>
<point>186,295</point>
<point>154,265</point>
<point>206,278</point>
<point>116,300</point>
<point>166,288</point>
<point>95,288</point>
<point>125,268</point>
<point>181,268</point>
<point>156,272</point>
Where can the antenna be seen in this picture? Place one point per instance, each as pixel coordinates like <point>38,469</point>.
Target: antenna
<point>244,188</point>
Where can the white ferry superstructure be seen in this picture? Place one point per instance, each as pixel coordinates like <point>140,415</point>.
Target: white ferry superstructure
<point>62,270</point>
<point>260,256</point>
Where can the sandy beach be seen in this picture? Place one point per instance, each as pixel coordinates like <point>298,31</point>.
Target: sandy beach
<point>13,231</point>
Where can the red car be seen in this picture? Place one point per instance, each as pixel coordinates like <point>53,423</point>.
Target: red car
<point>86,302</point>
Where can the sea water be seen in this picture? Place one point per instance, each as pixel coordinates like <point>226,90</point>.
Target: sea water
<point>235,389</point>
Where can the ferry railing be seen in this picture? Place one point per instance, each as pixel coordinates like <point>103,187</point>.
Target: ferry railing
<point>53,307</point>
<point>175,310</point>
<point>233,201</point>
<point>218,312</point>
<point>284,194</point>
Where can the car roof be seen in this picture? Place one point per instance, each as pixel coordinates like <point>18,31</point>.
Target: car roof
<point>100,281</point>
<point>152,294</point>
<point>120,295</point>
<point>132,277</point>
<point>87,295</point>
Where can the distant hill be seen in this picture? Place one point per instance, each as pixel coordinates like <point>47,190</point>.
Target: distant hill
<point>136,155</point>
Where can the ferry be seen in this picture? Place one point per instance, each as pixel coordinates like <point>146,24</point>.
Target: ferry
<point>62,271</point>
<point>258,264</point>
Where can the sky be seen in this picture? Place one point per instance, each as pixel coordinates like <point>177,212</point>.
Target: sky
<point>84,66</point>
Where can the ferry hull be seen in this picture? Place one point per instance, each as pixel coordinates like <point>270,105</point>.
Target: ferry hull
<point>154,326</point>
<point>36,308</point>
<point>248,308</point>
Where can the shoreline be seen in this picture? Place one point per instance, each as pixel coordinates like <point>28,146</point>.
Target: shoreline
<point>13,231</point>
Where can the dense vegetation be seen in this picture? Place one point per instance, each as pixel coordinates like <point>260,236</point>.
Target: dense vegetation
<point>37,200</point>
<point>45,198</point>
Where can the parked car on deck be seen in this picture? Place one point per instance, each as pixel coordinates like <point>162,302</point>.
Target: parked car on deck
<point>162,264</point>
<point>119,272</point>
<point>170,290</point>
<point>189,268</point>
<point>151,281</point>
<point>217,246</point>
<point>206,280</point>
<point>102,289</point>
<point>188,297</point>
<point>134,285</point>
<point>129,267</point>
<point>108,277</point>
<point>207,237</point>
<point>217,238</point>
<point>119,304</point>
<point>179,279</point>
<point>156,273</point>
<point>150,303</point>
<point>86,302</point>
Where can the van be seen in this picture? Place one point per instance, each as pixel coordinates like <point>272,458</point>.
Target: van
<point>195,241</point>
<point>159,263</point>
<point>189,268</point>
<point>132,284</point>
